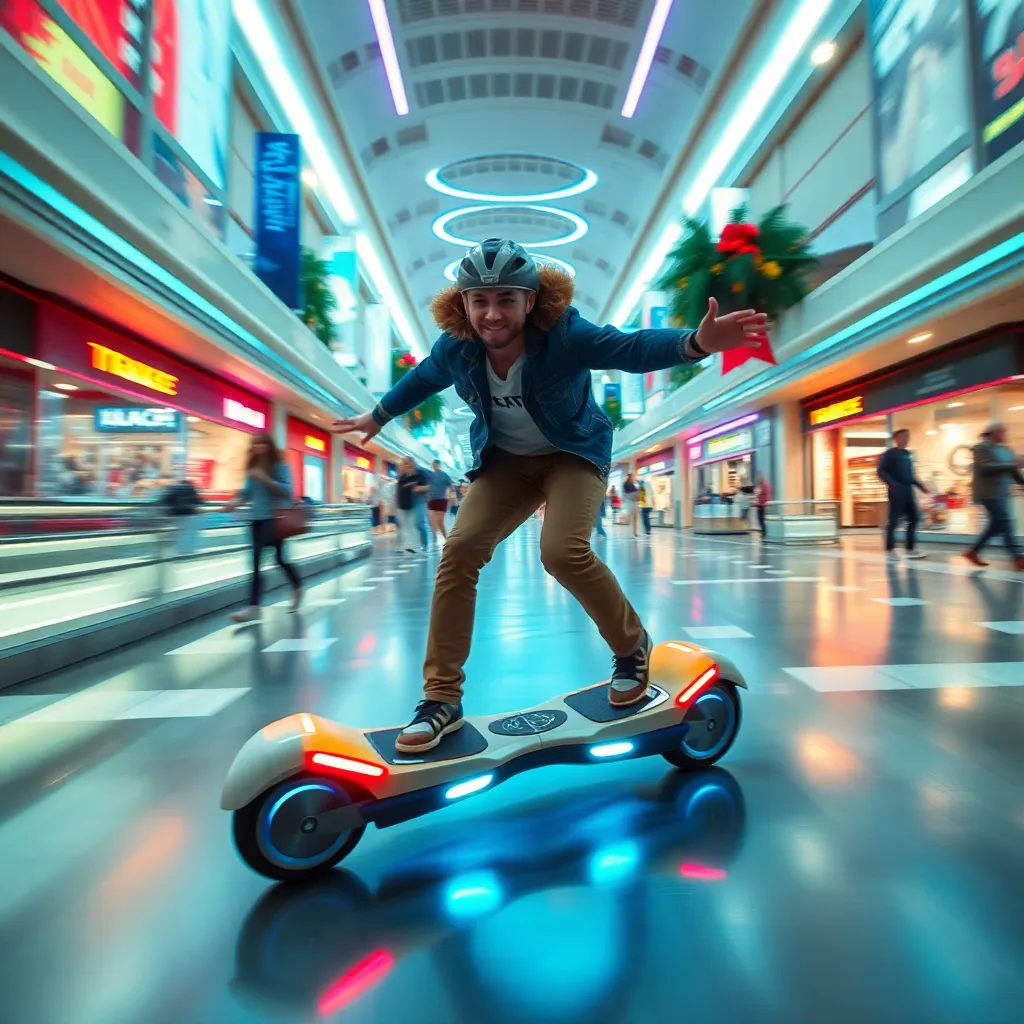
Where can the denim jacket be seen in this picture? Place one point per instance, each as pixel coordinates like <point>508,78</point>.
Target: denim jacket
<point>561,351</point>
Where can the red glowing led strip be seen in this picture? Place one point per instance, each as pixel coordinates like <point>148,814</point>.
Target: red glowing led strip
<point>352,984</point>
<point>349,765</point>
<point>697,685</point>
<point>702,873</point>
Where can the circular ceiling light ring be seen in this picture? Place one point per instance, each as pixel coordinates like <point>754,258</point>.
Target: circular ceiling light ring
<point>580,226</point>
<point>450,271</point>
<point>585,184</point>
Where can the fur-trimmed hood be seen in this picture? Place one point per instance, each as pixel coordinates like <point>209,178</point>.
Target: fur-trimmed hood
<point>553,298</point>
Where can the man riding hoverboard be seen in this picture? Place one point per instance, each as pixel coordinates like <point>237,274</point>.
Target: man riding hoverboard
<point>520,356</point>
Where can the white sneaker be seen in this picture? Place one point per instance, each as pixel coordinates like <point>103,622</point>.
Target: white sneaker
<point>916,555</point>
<point>893,556</point>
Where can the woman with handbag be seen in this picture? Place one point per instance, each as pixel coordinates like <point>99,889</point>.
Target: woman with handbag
<point>268,493</point>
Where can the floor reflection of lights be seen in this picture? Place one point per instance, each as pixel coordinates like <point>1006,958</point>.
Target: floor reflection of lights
<point>825,759</point>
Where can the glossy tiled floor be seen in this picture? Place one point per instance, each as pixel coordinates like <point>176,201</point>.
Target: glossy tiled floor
<point>857,857</point>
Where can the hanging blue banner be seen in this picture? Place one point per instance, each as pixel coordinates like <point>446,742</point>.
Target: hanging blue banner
<point>278,215</point>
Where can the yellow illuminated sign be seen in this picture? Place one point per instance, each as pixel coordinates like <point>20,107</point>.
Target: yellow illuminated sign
<point>837,411</point>
<point>316,443</point>
<point>107,360</point>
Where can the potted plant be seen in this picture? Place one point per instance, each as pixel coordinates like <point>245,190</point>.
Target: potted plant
<point>764,266</point>
<point>429,411</point>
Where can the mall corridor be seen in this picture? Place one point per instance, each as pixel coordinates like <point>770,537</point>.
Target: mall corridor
<point>856,857</point>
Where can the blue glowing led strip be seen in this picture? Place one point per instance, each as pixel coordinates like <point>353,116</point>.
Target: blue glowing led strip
<point>968,275</point>
<point>62,205</point>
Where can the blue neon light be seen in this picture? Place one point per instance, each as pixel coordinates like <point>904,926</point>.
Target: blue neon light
<point>294,792</point>
<point>612,864</point>
<point>469,786</point>
<point>611,749</point>
<point>473,894</point>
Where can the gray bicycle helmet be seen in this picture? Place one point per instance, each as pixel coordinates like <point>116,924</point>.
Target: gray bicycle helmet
<point>498,263</point>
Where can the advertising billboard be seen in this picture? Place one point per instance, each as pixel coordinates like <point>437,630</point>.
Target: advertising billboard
<point>278,215</point>
<point>192,78</point>
<point>57,54</point>
<point>116,28</point>
<point>922,100</point>
<point>999,74</point>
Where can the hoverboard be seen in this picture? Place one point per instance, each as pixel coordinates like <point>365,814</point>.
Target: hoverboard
<point>303,789</point>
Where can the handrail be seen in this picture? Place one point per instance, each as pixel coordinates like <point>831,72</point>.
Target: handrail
<point>24,519</point>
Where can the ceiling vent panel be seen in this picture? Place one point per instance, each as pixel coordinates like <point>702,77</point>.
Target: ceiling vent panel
<point>412,135</point>
<point>500,85</point>
<point>612,136</point>
<point>624,13</point>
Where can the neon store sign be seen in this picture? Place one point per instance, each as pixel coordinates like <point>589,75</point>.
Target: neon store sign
<point>837,411</point>
<point>315,443</point>
<point>239,413</point>
<point>117,364</point>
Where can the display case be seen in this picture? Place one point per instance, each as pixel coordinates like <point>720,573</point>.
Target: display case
<point>868,497</point>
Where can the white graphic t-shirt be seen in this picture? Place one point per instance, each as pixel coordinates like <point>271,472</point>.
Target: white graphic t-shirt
<point>512,427</point>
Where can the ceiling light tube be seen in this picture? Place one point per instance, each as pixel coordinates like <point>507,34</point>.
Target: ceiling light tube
<point>435,181</point>
<point>386,42</point>
<point>580,226</point>
<point>799,30</point>
<point>647,51</point>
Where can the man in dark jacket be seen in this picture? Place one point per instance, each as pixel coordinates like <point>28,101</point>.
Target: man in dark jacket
<point>520,356</point>
<point>996,469</point>
<point>896,470</point>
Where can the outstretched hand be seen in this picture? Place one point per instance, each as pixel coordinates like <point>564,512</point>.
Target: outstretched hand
<point>744,328</point>
<point>365,424</point>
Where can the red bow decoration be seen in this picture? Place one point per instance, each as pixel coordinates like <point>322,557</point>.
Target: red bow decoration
<point>407,359</point>
<point>738,356</point>
<point>738,239</point>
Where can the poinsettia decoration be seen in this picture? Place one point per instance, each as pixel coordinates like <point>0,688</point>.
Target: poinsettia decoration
<point>430,410</point>
<point>761,266</point>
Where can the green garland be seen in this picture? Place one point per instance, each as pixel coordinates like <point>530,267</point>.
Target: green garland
<point>430,410</point>
<point>763,267</point>
<point>318,301</point>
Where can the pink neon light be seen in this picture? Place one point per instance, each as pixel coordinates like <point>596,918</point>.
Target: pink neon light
<point>352,984</point>
<point>646,58</point>
<point>386,42</point>
<point>702,873</point>
<point>724,428</point>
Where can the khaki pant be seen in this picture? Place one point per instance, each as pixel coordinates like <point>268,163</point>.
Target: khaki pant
<point>508,490</point>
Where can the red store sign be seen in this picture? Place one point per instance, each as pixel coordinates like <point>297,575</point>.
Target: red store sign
<point>308,440</point>
<point>358,459</point>
<point>86,350</point>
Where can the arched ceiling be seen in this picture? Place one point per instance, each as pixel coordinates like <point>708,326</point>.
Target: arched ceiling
<point>518,98</point>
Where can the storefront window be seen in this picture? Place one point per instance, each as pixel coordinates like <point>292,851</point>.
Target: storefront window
<point>16,387</point>
<point>942,437</point>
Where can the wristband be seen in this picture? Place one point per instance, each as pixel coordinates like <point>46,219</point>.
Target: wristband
<point>696,348</point>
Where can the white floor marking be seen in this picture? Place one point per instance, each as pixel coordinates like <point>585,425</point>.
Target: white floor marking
<point>301,643</point>
<point>1013,627</point>
<point>751,579</point>
<point>359,590</point>
<point>843,590</point>
<point>779,572</point>
<point>120,705</point>
<point>900,602</point>
<point>754,565</point>
<point>377,579</point>
<point>324,602</point>
<point>238,645</point>
<point>717,632</point>
<point>908,677</point>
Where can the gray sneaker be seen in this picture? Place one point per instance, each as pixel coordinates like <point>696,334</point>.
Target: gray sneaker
<point>432,721</point>
<point>631,675</point>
